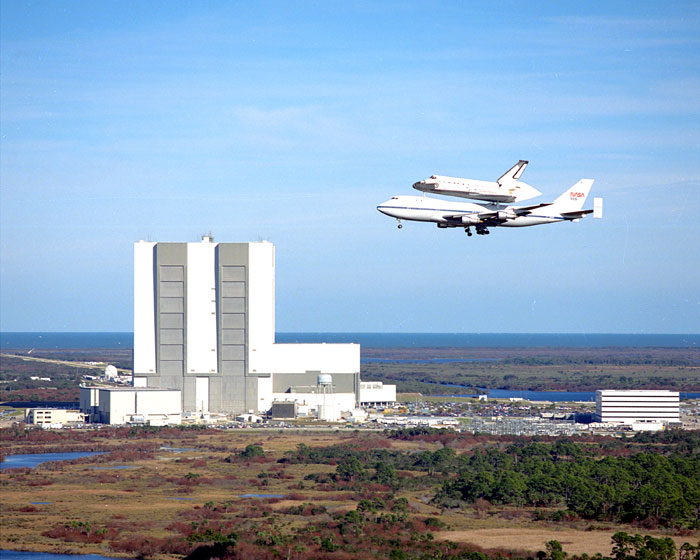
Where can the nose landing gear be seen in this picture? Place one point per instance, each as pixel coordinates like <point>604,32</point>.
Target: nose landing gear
<point>468,231</point>
<point>400,224</point>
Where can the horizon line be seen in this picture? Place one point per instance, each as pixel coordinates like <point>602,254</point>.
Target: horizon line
<point>396,332</point>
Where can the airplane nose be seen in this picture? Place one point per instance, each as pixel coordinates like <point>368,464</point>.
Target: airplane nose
<point>385,208</point>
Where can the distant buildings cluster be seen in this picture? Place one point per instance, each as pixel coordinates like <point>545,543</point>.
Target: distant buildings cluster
<point>204,345</point>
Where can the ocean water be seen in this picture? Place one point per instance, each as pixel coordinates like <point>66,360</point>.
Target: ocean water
<point>65,340</point>
<point>115,340</point>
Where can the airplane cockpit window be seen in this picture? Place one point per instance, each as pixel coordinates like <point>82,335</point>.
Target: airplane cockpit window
<point>433,177</point>
<point>394,198</point>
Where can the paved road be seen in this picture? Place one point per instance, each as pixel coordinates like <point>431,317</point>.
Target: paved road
<point>62,362</point>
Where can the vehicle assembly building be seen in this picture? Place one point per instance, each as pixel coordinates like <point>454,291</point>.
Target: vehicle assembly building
<point>204,323</point>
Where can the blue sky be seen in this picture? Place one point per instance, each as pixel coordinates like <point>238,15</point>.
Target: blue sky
<point>290,122</point>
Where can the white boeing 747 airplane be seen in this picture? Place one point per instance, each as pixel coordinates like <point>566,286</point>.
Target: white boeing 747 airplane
<point>508,188</point>
<point>447,214</point>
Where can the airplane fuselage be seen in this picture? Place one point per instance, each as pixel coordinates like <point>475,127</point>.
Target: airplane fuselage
<point>461,214</point>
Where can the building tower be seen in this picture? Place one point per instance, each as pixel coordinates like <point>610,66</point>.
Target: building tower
<point>327,409</point>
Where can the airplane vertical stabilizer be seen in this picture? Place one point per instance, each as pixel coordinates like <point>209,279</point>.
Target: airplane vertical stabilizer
<point>573,198</point>
<point>597,207</point>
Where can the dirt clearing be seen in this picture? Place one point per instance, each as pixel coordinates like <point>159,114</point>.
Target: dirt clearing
<point>573,542</point>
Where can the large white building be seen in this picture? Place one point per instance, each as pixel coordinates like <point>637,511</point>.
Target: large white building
<point>633,407</point>
<point>204,323</point>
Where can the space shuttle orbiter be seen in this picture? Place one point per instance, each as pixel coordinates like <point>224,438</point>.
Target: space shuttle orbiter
<point>508,188</point>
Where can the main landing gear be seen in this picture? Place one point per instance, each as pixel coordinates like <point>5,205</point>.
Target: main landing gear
<point>400,224</point>
<point>480,230</point>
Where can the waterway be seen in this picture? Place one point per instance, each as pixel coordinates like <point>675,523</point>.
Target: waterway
<point>29,461</point>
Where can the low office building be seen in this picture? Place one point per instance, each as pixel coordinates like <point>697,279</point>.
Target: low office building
<point>636,407</point>
<point>51,417</point>
<point>131,405</point>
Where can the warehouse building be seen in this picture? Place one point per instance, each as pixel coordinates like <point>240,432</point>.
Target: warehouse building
<point>204,323</point>
<point>637,407</point>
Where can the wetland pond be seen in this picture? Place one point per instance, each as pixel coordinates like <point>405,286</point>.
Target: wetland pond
<point>29,461</point>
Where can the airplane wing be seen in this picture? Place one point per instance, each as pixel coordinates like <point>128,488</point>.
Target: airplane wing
<point>495,216</point>
<point>514,210</point>
<point>576,215</point>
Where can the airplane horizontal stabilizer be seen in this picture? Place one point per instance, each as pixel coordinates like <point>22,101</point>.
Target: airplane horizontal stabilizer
<point>575,215</point>
<point>525,210</point>
<point>597,207</point>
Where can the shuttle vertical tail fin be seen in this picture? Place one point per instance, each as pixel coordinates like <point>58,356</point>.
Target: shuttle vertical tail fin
<point>513,174</point>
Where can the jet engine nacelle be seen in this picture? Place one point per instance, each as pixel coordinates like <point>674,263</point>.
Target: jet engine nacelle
<point>505,215</point>
<point>470,220</point>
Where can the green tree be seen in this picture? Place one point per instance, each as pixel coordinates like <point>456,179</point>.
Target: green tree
<point>554,551</point>
<point>350,469</point>
<point>252,451</point>
<point>385,473</point>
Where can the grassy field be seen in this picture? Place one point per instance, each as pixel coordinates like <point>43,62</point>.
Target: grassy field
<point>551,369</point>
<point>139,499</point>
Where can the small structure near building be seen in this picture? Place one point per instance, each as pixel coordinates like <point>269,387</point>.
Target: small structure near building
<point>647,426</point>
<point>111,373</point>
<point>357,416</point>
<point>249,418</point>
<point>284,410</point>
